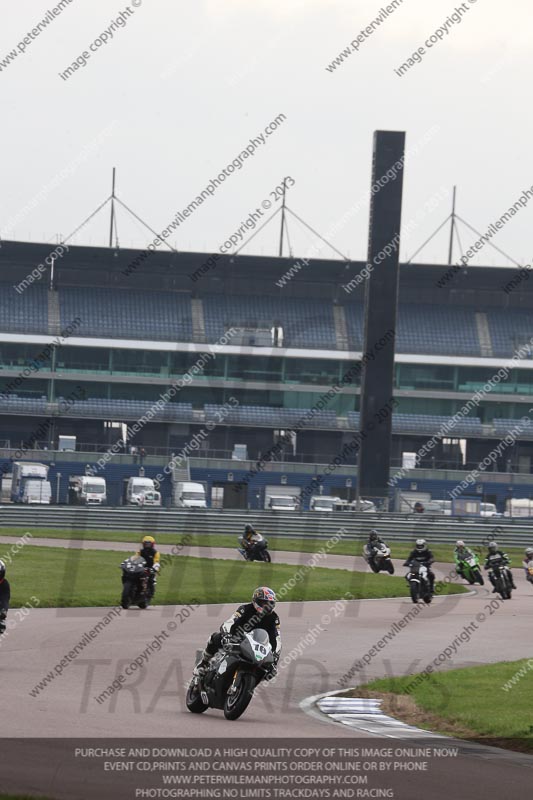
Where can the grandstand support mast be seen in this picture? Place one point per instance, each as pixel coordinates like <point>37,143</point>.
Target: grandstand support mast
<point>282,220</point>
<point>381,306</point>
<point>452,228</point>
<point>112,208</point>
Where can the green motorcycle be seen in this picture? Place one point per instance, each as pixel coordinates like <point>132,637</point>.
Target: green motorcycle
<point>469,569</point>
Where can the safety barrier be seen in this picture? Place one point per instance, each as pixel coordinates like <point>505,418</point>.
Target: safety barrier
<point>516,532</point>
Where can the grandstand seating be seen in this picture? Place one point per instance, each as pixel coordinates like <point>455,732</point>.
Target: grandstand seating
<point>510,330</point>
<point>524,428</point>
<point>24,312</point>
<point>306,323</point>
<point>266,416</point>
<point>443,330</point>
<point>126,409</point>
<point>128,313</point>
<point>425,423</point>
<point>13,404</point>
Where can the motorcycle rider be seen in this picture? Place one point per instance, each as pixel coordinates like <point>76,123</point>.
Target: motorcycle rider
<point>460,554</point>
<point>249,540</point>
<point>528,557</point>
<point>257,614</point>
<point>5,596</point>
<point>496,557</point>
<point>151,555</point>
<point>374,541</point>
<point>423,555</point>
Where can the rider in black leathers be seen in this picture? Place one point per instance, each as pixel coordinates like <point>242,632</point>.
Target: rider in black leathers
<point>5,596</point>
<point>257,614</point>
<point>496,557</point>
<point>423,555</point>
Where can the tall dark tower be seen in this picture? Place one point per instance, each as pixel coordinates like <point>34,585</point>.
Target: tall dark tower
<point>381,303</point>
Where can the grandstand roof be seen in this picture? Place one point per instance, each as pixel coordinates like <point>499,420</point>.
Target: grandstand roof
<point>104,266</point>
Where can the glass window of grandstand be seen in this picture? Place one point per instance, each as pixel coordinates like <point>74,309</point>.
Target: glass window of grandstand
<point>472,379</point>
<point>254,368</point>
<point>82,359</point>
<point>180,363</point>
<point>341,402</point>
<point>425,376</point>
<point>140,362</point>
<point>320,371</point>
<point>22,387</point>
<point>19,356</point>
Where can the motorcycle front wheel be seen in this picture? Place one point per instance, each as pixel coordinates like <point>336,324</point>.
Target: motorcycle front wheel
<point>266,556</point>
<point>390,568</point>
<point>236,704</point>
<point>415,591</point>
<point>193,700</point>
<point>479,578</point>
<point>127,591</point>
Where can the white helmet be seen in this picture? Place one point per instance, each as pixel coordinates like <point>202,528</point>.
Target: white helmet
<point>420,544</point>
<point>459,543</point>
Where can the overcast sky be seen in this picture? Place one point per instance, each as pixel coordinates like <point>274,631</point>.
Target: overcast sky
<point>178,92</point>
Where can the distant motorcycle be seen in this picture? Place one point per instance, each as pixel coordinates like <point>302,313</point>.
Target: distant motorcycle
<point>419,585</point>
<point>470,570</point>
<point>232,675</point>
<point>378,558</point>
<point>135,582</point>
<point>502,580</point>
<point>254,552</point>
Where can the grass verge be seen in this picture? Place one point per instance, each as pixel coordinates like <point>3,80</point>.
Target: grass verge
<point>442,552</point>
<point>491,703</point>
<point>60,577</point>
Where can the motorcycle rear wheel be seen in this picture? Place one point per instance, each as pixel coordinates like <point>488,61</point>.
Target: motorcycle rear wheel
<point>236,704</point>
<point>194,702</point>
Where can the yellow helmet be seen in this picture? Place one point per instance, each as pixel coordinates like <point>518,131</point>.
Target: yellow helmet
<point>148,541</point>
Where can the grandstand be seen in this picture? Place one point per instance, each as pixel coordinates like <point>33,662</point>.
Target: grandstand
<point>139,334</point>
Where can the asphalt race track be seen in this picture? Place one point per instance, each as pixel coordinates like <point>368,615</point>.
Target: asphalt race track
<point>151,701</point>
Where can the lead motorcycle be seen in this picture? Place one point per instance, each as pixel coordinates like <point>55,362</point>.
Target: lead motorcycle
<point>136,590</point>
<point>232,675</point>
<point>255,552</point>
<point>419,584</point>
<point>378,558</point>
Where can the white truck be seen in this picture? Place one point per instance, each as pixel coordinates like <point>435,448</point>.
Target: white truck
<point>282,497</point>
<point>190,495</point>
<point>518,507</point>
<point>30,483</point>
<point>140,492</point>
<point>321,502</point>
<point>86,490</point>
